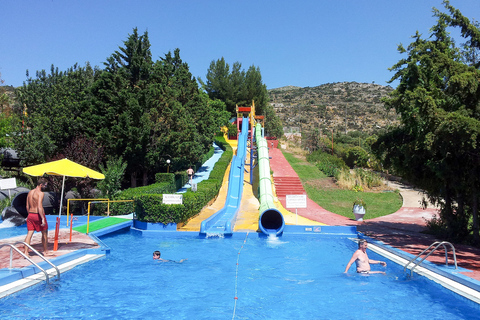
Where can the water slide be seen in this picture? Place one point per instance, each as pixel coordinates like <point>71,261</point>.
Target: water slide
<point>223,220</point>
<point>270,221</point>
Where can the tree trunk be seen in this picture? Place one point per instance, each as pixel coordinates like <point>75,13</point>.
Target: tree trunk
<point>133,180</point>
<point>447,212</point>
<point>476,235</point>
<point>145,177</point>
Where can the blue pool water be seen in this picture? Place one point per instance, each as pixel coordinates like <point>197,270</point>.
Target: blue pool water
<point>292,277</point>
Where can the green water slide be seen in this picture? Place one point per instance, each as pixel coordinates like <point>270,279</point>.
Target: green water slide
<point>270,220</point>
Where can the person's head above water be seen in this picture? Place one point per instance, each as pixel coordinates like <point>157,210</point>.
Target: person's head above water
<point>362,242</point>
<point>156,255</point>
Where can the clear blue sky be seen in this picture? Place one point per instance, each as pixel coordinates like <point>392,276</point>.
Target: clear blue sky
<point>300,43</point>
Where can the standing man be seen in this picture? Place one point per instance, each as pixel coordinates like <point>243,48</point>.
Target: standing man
<point>360,257</point>
<point>190,173</point>
<point>36,220</point>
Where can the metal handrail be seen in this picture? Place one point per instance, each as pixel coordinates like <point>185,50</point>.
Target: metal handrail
<point>438,244</point>
<point>12,247</point>
<point>43,258</point>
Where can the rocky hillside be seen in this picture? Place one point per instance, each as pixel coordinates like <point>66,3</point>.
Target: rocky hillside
<point>339,106</point>
<point>7,98</point>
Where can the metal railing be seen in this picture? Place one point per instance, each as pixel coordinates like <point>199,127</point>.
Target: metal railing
<point>108,202</point>
<point>12,247</point>
<point>436,244</point>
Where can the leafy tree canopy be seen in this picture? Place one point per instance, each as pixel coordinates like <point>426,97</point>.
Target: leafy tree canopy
<point>235,86</point>
<point>436,146</point>
<point>135,109</point>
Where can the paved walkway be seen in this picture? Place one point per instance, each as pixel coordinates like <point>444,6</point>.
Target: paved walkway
<point>79,241</point>
<point>402,229</point>
<point>204,171</point>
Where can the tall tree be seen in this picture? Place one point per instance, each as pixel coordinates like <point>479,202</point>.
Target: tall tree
<point>50,108</point>
<point>117,112</point>
<point>237,87</point>
<point>437,144</point>
<point>184,119</point>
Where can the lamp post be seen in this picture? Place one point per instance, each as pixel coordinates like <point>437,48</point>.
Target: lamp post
<point>168,165</point>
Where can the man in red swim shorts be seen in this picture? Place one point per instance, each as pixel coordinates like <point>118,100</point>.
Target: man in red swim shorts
<point>36,220</point>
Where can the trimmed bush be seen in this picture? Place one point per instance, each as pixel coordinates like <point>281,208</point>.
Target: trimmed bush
<point>121,208</point>
<point>165,177</point>
<point>149,207</point>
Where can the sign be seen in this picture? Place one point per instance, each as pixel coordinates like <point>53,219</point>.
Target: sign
<point>9,183</point>
<point>172,199</point>
<point>296,201</point>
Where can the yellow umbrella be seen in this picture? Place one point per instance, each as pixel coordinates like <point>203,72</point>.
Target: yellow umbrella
<point>63,168</point>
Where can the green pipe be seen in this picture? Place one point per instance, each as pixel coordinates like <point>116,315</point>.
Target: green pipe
<point>270,220</point>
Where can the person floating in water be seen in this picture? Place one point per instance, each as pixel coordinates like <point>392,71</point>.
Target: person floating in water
<point>360,257</point>
<point>36,220</point>
<point>157,254</point>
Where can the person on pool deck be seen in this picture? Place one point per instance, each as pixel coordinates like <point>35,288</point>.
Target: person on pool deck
<point>157,254</point>
<point>190,173</point>
<point>36,220</point>
<point>360,257</point>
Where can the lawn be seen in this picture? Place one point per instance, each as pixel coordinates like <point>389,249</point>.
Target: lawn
<point>320,189</point>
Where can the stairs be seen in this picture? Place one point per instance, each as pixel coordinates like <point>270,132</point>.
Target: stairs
<point>288,185</point>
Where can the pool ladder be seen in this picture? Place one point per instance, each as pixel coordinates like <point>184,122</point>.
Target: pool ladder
<point>436,244</point>
<point>12,247</point>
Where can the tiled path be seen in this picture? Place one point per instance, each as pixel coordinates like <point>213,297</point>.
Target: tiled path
<point>402,229</point>
<point>79,241</point>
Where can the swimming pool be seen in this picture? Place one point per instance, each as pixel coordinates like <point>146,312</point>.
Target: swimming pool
<point>292,277</point>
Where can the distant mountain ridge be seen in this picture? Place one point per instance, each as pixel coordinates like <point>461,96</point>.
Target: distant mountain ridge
<point>342,106</point>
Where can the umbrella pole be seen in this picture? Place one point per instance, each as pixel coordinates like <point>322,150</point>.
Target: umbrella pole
<point>57,226</point>
<point>61,198</point>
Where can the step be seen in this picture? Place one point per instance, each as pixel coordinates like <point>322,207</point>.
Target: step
<point>279,186</point>
<point>291,191</point>
<point>288,187</point>
<point>286,179</point>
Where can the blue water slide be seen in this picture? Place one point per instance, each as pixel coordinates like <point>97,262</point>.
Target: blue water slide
<point>222,222</point>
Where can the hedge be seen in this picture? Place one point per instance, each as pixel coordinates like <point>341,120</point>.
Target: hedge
<point>120,208</point>
<point>149,206</point>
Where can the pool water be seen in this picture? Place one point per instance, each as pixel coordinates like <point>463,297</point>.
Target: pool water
<point>292,277</point>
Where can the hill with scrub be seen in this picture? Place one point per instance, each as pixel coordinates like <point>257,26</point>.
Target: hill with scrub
<point>343,106</point>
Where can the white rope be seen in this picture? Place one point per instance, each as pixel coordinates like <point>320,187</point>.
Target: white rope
<point>236,277</point>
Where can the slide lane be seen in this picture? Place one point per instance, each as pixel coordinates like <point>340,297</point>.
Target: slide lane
<point>270,220</point>
<point>222,222</point>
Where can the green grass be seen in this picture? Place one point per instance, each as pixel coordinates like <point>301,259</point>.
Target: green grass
<point>340,201</point>
<point>305,170</point>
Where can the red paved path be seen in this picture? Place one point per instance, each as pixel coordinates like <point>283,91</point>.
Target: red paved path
<point>401,229</point>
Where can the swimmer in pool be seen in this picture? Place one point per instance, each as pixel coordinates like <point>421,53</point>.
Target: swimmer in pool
<point>157,254</point>
<point>360,257</point>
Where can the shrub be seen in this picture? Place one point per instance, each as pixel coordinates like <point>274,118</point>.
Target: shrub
<point>120,208</point>
<point>328,164</point>
<point>358,180</point>
<point>356,157</point>
<point>114,173</point>
<point>149,207</point>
